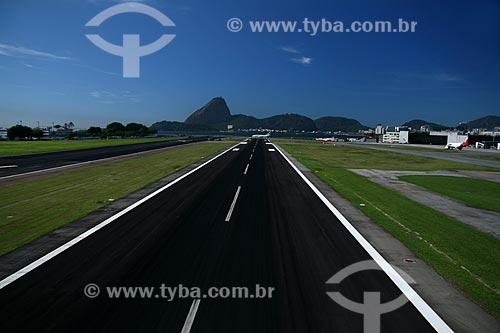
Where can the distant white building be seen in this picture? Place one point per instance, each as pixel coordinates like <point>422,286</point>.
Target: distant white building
<point>425,128</point>
<point>396,135</point>
<point>379,130</point>
<point>3,133</point>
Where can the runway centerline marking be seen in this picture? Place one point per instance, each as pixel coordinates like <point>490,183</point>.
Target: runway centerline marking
<point>8,166</point>
<point>190,317</point>
<point>228,216</point>
<point>246,169</point>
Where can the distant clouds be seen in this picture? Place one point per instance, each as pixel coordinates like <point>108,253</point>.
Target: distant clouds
<point>436,76</point>
<point>423,81</point>
<point>446,77</point>
<point>23,52</point>
<point>114,1</point>
<point>302,60</point>
<point>289,49</point>
<point>109,97</point>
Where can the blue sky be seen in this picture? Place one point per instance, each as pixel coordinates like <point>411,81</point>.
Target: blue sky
<point>448,71</point>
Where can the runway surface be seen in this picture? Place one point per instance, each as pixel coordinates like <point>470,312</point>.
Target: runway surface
<point>244,219</point>
<point>15,165</point>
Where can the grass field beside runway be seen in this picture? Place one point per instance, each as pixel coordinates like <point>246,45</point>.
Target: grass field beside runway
<point>34,208</point>
<point>437,148</point>
<point>477,193</point>
<point>9,148</point>
<point>465,256</point>
<point>353,157</point>
<point>431,149</point>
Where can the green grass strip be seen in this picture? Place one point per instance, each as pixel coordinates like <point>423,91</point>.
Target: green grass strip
<point>465,256</point>
<point>473,192</point>
<point>33,208</point>
<point>8,148</point>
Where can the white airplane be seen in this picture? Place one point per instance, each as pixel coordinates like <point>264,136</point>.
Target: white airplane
<point>457,145</point>
<point>261,136</point>
<point>325,139</point>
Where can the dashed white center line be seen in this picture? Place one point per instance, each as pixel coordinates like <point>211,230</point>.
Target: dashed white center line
<point>228,217</point>
<point>236,149</point>
<point>246,169</point>
<point>7,166</point>
<point>190,317</point>
<point>251,156</point>
<point>271,149</point>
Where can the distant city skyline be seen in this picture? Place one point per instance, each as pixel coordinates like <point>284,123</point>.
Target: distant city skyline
<point>446,72</point>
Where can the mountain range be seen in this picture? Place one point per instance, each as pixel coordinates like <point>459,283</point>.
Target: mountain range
<point>215,115</point>
<point>488,123</point>
<point>417,123</point>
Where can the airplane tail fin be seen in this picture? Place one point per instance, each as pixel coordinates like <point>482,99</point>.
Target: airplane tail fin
<point>466,142</point>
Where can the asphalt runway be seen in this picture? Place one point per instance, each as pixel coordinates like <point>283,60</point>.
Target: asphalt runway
<point>20,164</point>
<point>244,219</point>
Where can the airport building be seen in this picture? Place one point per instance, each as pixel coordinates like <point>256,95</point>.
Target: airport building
<point>396,135</point>
<point>3,133</point>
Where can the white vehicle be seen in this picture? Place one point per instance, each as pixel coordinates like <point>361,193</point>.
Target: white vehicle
<point>457,145</point>
<point>261,136</point>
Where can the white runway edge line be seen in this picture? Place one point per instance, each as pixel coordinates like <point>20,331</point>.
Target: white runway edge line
<point>228,217</point>
<point>427,312</point>
<point>25,270</point>
<point>190,317</point>
<point>7,166</point>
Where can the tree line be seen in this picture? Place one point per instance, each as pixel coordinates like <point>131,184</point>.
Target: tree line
<point>115,129</point>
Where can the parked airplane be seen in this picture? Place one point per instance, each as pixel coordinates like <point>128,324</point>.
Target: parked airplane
<point>325,139</point>
<point>261,136</point>
<point>457,145</point>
